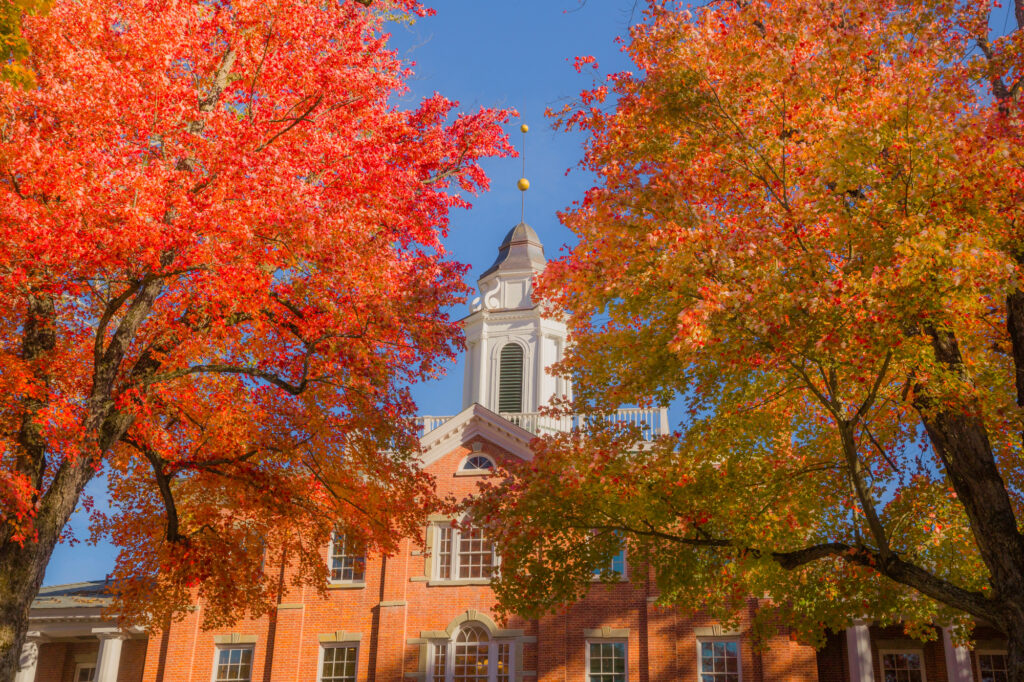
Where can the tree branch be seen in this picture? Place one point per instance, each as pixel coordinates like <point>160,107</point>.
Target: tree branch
<point>893,567</point>
<point>163,482</point>
<point>295,122</point>
<point>215,368</point>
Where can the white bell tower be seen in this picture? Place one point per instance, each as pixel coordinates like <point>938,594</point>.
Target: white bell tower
<point>509,343</point>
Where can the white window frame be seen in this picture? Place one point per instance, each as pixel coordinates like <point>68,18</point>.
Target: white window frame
<point>227,647</point>
<point>324,646</point>
<point>492,654</point>
<point>330,565</point>
<point>84,666</point>
<point>918,652</point>
<point>624,575</point>
<point>611,640</point>
<point>435,550</point>
<point>463,471</point>
<point>987,652</point>
<point>712,640</point>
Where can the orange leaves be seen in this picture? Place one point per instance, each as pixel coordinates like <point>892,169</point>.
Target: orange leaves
<point>792,196</point>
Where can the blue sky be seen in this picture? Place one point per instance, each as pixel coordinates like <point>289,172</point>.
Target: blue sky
<point>507,54</point>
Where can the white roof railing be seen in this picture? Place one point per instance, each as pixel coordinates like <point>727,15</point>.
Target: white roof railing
<point>652,421</point>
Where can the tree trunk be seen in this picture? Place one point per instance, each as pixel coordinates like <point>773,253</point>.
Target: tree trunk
<point>960,438</point>
<point>1015,652</point>
<point>21,574</point>
<point>22,567</point>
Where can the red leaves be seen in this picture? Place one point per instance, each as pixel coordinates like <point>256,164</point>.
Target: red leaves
<point>245,167</point>
<point>581,61</point>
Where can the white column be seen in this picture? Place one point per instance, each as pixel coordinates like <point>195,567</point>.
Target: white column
<point>483,368</point>
<point>27,662</point>
<point>958,660</point>
<point>858,648</point>
<point>109,659</point>
<point>467,373</point>
<point>538,370</point>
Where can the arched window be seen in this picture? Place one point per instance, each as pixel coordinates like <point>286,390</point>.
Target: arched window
<point>510,378</point>
<point>478,463</point>
<point>471,656</point>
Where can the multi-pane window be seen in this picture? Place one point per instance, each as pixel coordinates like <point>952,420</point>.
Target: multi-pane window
<point>476,555</point>
<point>348,564</point>
<point>606,662</point>
<point>439,670</point>
<point>617,565</point>
<point>234,664</point>
<point>992,667</point>
<point>85,673</point>
<point>463,553</point>
<point>503,662</point>
<point>902,666</point>
<point>444,552</point>
<point>471,656</point>
<point>339,664</point>
<point>720,661</point>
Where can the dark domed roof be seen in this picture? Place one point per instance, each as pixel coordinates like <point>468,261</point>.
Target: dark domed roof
<point>520,250</point>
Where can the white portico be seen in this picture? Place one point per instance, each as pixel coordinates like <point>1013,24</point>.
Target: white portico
<point>71,637</point>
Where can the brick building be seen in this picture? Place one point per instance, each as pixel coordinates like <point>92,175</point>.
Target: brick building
<point>428,615</point>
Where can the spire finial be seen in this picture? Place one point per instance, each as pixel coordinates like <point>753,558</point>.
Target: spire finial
<point>523,183</point>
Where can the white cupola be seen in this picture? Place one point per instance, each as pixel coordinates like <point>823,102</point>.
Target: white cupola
<point>509,344</point>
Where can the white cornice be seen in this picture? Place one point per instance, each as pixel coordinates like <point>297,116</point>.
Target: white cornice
<point>475,420</point>
<point>501,314</point>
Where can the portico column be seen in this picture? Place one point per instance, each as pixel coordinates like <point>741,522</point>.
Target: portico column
<point>27,662</point>
<point>958,660</point>
<point>858,649</point>
<point>109,659</point>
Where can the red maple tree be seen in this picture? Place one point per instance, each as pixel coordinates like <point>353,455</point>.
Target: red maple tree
<point>220,261</point>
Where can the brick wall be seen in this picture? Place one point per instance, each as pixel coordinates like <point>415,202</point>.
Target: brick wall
<point>396,604</point>
<point>833,664</point>
<point>50,664</point>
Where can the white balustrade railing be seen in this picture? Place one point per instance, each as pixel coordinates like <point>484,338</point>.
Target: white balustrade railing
<point>428,424</point>
<point>652,421</point>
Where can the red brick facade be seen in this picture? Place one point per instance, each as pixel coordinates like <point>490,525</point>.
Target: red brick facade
<point>398,603</point>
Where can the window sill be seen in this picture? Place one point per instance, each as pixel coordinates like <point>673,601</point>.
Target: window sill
<point>458,583</point>
<point>476,472</point>
<point>346,586</point>
<point>596,580</point>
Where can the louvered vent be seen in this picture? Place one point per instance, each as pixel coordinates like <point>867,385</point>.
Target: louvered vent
<point>510,383</point>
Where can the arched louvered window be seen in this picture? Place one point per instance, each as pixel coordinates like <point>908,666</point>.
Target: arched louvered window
<point>510,381</point>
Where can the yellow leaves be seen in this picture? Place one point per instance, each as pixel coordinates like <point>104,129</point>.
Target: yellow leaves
<point>13,48</point>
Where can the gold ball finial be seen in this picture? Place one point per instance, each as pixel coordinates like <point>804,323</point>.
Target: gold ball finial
<point>523,184</point>
<point>524,128</point>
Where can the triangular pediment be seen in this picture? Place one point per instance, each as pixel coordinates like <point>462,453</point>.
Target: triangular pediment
<point>475,420</point>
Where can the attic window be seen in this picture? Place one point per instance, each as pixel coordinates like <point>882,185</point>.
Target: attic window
<point>478,463</point>
<point>510,381</point>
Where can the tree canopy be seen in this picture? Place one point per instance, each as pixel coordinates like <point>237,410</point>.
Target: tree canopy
<point>807,231</point>
<point>220,265</point>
